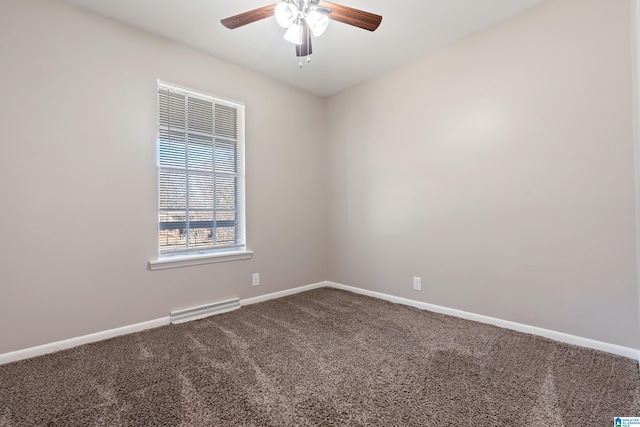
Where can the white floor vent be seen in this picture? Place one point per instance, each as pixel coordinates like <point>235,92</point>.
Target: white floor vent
<point>202,311</point>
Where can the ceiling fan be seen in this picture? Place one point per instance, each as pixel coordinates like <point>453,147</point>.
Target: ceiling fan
<point>305,17</point>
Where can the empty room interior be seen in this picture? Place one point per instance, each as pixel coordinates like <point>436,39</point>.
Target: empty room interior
<point>430,217</point>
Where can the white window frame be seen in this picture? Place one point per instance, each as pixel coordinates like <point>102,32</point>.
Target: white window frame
<point>207,255</point>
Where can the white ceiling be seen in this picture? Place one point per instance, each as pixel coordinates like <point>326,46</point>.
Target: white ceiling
<point>342,56</point>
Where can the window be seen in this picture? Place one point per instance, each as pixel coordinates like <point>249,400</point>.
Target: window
<point>200,175</point>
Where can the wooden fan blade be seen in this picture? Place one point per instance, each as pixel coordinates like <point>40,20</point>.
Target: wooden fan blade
<point>304,49</point>
<point>248,17</point>
<point>355,17</point>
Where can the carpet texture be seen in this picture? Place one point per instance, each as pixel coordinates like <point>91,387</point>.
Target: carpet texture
<point>324,357</point>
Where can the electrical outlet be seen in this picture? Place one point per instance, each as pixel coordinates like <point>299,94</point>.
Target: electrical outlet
<point>255,280</point>
<point>417,283</point>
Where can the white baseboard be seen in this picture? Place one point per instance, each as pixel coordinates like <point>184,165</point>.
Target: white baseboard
<point>558,336</point>
<point>40,350</point>
<point>631,353</point>
<point>280,294</point>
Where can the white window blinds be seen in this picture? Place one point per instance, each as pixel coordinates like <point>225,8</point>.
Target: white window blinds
<point>201,176</point>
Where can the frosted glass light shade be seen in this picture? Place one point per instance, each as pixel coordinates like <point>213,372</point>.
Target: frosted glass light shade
<point>294,34</point>
<point>285,14</point>
<point>317,22</point>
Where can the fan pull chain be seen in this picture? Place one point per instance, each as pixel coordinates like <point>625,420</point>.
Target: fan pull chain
<point>308,61</point>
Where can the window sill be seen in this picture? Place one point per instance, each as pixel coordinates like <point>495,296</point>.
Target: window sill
<point>197,259</point>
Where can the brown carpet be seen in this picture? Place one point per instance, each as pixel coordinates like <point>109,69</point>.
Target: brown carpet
<point>323,357</point>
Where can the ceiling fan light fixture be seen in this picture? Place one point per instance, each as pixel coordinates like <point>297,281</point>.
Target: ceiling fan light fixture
<point>303,19</point>
<point>286,14</point>
<point>294,33</point>
<point>317,22</point>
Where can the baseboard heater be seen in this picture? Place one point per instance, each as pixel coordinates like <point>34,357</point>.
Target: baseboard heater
<point>203,311</point>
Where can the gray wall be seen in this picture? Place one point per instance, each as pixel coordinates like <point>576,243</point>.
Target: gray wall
<point>500,169</point>
<point>78,173</point>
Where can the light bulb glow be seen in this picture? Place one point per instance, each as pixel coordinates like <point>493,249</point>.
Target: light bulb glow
<point>294,34</point>
<point>285,14</point>
<point>317,22</point>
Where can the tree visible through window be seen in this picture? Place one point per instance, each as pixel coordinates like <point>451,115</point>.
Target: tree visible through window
<point>201,176</point>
